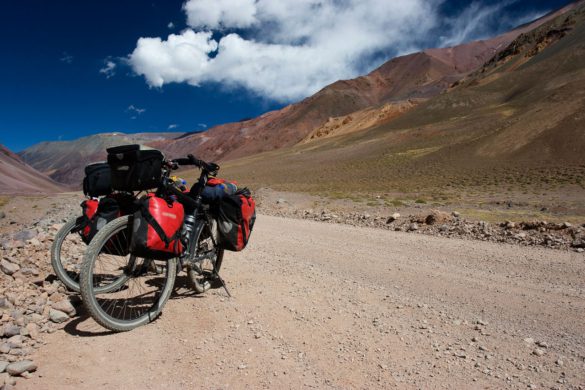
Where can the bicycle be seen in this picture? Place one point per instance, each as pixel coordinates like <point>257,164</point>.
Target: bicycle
<point>147,283</point>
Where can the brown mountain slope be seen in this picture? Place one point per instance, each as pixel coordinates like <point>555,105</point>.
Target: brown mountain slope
<point>418,75</point>
<point>520,128</point>
<point>361,120</point>
<point>18,178</point>
<point>64,161</point>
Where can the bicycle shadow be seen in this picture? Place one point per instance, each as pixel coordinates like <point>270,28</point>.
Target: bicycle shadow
<point>82,325</point>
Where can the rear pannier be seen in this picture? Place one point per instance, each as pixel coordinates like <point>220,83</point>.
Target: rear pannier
<point>236,217</point>
<point>96,214</point>
<point>82,223</point>
<point>156,229</point>
<point>97,180</point>
<point>135,169</point>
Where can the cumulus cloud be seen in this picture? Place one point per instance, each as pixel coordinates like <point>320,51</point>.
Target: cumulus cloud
<point>285,50</point>
<point>109,68</point>
<point>181,58</point>
<point>171,25</point>
<point>220,13</point>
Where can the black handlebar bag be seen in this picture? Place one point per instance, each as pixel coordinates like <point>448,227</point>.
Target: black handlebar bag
<point>134,168</point>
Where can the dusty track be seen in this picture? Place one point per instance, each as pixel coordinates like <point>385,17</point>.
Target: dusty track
<point>334,306</point>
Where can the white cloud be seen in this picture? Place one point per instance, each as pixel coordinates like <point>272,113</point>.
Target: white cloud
<point>132,108</point>
<point>220,13</point>
<point>171,25</point>
<point>288,49</point>
<point>172,126</point>
<point>472,23</point>
<point>202,125</point>
<point>66,58</point>
<point>181,58</point>
<point>292,48</point>
<point>109,68</point>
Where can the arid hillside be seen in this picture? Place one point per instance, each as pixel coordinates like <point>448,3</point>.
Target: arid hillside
<point>517,126</point>
<point>18,177</point>
<point>415,76</point>
<point>64,161</point>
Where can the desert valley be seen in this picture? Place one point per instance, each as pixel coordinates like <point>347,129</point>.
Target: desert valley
<point>420,226</point>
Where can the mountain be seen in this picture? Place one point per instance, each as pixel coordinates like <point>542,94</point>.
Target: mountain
<point>17,177</point>
<point>385,94</point>
<point>517,123</point>
<point>64,161</point>
<point>418,76</point>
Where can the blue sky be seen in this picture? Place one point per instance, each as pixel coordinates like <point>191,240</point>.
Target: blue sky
<point>74,68</point>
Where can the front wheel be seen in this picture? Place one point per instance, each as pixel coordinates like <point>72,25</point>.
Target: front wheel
<point>146,283</point>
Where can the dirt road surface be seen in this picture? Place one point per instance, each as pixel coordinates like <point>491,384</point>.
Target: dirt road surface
<point>332,306</point>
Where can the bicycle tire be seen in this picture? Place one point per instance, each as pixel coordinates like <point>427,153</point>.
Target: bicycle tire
<point>68,277</point>
<point>111,308</point>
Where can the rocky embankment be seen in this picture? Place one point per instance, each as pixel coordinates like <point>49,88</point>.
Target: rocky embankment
<point>564,236</point>
<point>32,301</point>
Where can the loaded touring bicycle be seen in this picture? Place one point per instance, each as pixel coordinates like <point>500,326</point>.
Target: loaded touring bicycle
<point>130,266</point>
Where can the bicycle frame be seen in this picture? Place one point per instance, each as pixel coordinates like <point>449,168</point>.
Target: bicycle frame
<point>193,204</point>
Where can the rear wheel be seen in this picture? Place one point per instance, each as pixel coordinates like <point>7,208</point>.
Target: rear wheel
<point>67,254</point>
<point>142,286</point>
<point>203,273</point>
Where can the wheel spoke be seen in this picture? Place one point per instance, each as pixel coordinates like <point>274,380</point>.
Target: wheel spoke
<point>120,290</point>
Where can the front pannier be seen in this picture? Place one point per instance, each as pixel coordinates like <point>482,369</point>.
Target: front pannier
<point>135,169</point>
<point>236,217</point>
<point>156,229</point>
<point>97,180</point>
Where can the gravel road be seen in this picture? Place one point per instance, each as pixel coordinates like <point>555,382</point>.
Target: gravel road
<point>335,306</point>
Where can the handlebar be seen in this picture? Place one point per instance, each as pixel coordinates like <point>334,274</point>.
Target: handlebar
<point>191,160</point>
<point>188,199</point>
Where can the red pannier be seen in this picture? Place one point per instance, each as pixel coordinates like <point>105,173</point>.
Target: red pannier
<point>96,214</point>
<point>156,229</point>
<point>83,223</point>
<point>236,217</point>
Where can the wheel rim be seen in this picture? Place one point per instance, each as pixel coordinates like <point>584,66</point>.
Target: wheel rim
<point>69,254</point>
<point>126,288</point>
